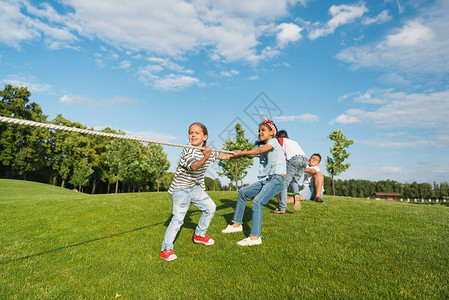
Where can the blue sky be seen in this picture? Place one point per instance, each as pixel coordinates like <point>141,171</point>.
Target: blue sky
<point>377,70</point>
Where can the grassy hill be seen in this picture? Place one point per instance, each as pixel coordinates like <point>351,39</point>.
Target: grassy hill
<point>56,243</point>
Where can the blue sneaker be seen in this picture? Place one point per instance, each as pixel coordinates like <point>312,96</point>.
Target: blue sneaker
<point>318,199</point>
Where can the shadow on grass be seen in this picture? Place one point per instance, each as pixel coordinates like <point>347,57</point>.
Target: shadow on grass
<point>226,203</point>
<point>188,223</point>
<point>77,244</point>
<point>247,215</point>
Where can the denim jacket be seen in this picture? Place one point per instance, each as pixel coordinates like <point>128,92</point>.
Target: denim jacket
<point>273,161</point>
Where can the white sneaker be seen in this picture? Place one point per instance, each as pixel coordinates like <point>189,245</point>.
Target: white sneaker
<point>249,242</point>
<point>231,228</point>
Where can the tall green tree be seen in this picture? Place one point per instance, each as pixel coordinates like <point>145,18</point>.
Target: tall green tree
<point>335,165</point>
<point>132,175</point>
<point>443,190</point>
<point>425,191</point>
<point>68,149</point>
<point>407,191</point>
<point>235,169</point>
<point>166,181</point>
<point>212,184</point>
<point>99,162</point>
<point>389,186</point>
<point>154,163</point>
<point>414,190</point>
<point>22,148</point>
<point>123,159</point>
<point>81,174</point>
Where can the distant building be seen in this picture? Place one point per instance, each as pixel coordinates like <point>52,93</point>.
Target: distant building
<point>386,196</point>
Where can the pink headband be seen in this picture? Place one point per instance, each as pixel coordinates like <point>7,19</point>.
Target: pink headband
<point>271,124</point>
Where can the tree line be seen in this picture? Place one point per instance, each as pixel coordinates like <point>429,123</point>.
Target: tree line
<point>74,160</point>
<point>366,188</point>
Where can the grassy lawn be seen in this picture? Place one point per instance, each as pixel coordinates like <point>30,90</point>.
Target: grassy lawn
<point>56,243</point>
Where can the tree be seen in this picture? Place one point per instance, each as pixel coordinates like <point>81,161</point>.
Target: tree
<point>327,185</point>
<point>123,158</point>
<point>335,165</point>
<point>166,180</point>
<point>22,148</point>
<point>425,191</point>
<point>407,191</point>
<point>235,169</point>
<point>67,149</point>
<point>154,163</point>
<point>99,163</point>
<point>443,190</point>
<point>414,190</point>
<point>389,186</point>
<point>212,184</point>
<point>81,174</point>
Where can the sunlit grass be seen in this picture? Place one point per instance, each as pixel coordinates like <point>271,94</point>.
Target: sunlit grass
<point>56,243</point>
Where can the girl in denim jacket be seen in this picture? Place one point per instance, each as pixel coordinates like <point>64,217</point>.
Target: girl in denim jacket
<point>271,176</point>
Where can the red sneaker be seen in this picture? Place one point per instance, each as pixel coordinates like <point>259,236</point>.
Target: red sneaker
<point>168,255</point>
<point>205,240</point>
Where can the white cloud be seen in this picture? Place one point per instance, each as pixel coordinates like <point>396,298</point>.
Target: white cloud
<point>390,169</point>
<point>151,135</point>
<point>166,31</point>
<point>419,46</point>
<point>175,82</point>
<point>16,27</point>
<point>119,100</point>
<point>395,78</point>
<point>400,6</point>
<point>346,119</point>
<point>229,30</point>
<point>287,33</point>
<point>167,64</point>
<point>381,18</point>
<point>306,118</point>
<point>148,73</point>
<point>229,73</point>
<point>114,101</point>
<point>28,82</point>
<point>125,64</point>
<point>372,96</point>
<point>114,56</point>
<point>76,100</point>
<point>382,143</point>
<point>417,110</point>
<point>155,74</point>
<point>412,34</point>
<point>341,15</point>
<point>254,77</point>
<point>13,26</point>
<point>100,63</point>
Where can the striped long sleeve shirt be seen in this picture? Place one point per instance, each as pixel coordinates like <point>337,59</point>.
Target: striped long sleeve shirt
<point>185,177</point>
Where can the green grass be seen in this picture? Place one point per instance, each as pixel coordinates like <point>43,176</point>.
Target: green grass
<point>56,243</point>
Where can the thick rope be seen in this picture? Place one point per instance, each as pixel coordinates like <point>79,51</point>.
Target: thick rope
<point>112,135</point>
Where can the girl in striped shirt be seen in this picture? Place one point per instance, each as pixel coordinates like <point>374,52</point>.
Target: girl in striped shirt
<point>188,187</point>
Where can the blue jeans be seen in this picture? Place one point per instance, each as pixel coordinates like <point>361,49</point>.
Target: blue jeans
<point>295,169</point>
<point>309,192</point>
<point>181,202</point>
<point>262,191</point>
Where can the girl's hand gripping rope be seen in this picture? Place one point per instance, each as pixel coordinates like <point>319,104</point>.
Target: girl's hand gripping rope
<point>207,151</point>
<point>237,153</point>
